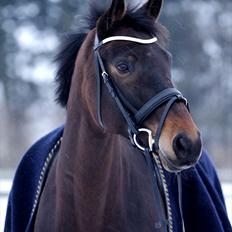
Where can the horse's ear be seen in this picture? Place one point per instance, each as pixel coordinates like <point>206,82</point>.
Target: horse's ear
<point>115,13</point>
<point>152,9</point>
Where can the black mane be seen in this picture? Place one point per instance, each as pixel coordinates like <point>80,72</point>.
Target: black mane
<point>72,42</point>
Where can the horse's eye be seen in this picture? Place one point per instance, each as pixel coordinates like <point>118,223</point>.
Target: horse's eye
<point>122,67</point>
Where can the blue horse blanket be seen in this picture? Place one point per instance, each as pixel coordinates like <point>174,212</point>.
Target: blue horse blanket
<point>203,204</point>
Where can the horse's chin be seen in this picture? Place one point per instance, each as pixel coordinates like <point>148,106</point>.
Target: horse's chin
<point>170,165</point>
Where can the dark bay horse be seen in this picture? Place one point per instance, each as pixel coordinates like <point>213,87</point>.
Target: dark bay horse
<point>99,180</point>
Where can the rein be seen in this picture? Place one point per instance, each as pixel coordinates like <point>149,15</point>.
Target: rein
<point>135,117</point>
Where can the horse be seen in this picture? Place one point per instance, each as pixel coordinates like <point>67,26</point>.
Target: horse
<point>115,82</point>
<point>129,157</point>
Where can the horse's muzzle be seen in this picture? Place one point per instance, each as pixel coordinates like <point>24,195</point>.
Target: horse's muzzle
<point>186,150</point>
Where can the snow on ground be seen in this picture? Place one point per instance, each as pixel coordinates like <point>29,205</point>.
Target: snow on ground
<point>5,186</point>
<point>227,190</point>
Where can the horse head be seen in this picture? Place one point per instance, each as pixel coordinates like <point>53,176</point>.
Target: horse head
<point>138,71</point>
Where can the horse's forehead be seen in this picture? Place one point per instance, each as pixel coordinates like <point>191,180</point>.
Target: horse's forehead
<point>151,49</point>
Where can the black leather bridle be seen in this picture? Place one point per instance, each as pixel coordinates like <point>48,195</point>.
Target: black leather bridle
<point>134,117</point>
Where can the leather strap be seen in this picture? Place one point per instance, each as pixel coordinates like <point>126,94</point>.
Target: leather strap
<point>113,92</point>
<point>157,101</point>
<point>158,191</point>
<point>135,117</point>
<point>98,92</point>
<point>125,38</point>
<point>161,123</point>
<point>132,116</point>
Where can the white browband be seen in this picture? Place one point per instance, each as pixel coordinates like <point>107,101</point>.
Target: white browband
<point>126,38</point>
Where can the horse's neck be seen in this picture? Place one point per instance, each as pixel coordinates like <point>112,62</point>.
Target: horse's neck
<point>87,165</point>
<point>97,183</point>
<point>83,149</point>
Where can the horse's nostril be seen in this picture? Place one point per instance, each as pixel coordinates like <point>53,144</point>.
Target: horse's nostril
<point>186,150</point>
<point>182,146</point>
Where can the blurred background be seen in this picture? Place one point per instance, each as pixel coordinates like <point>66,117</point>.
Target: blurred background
<point>30,32</point>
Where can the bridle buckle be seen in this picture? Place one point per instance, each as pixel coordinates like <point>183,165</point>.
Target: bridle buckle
<point>150,140</point>
<point>105,77</point>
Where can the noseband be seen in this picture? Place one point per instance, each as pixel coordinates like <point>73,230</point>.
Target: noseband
<point>134,117</point>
